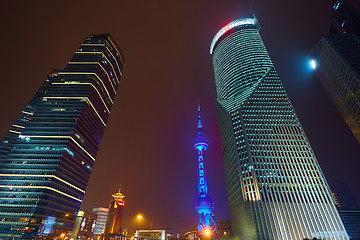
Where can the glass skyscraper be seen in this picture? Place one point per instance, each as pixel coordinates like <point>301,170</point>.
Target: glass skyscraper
<point>275,187</point>
<point>344,19</point>
<point>48,154</point>
<point>338,57</point>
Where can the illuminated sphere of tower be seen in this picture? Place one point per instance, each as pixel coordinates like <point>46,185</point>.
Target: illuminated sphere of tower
<point>200,144</point>
<point>204,204</point>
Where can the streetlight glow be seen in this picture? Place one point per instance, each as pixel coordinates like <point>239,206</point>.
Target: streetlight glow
<point>139,216</point>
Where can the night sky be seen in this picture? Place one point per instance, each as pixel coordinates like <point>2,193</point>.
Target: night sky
<point>148,143</point>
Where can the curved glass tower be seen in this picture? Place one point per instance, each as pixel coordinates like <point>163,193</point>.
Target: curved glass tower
<point>275,187</point>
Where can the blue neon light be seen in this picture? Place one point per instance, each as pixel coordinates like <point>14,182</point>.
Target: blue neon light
<point>203,204</point>
<point>70,152</point>
<point>336,6</point>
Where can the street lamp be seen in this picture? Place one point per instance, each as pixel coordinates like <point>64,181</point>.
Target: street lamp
<point>139,217</point>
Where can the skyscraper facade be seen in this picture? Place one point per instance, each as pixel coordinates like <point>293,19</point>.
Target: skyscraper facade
<point>275,187</point>
<point>100,221</point>
<point>338,57</point>
<point>344,19</point>
<point>48,154</point>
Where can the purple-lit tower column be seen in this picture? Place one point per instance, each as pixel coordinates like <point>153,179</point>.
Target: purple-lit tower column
<point>203,204</point>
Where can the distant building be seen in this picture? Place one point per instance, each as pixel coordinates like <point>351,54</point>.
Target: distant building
<point>345,196</point>
<point>337,203</point>
<point>84,225</point>
<point>102,214</point>
<point>156,234</point>
<point>351,220</point>
<point>223,229</point>
<point>113,221</point>
<point>338,59</point>
<point>47,156</point>
<point>338,69</point>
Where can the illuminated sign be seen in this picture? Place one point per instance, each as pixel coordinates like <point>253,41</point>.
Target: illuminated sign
<point>233,24</point>
<point>48,225</point>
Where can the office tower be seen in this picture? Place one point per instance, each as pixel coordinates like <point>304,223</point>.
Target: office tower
<point>113,220</point>
<point>338,58</point>
<point>275,187</point>
<point>47,157</point>
<point>204,204</point>
<point>100,221</point>
<point>84,225</point>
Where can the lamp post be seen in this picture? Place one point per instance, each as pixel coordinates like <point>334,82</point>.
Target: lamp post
<point>62,236</point>
<point>139,217</point>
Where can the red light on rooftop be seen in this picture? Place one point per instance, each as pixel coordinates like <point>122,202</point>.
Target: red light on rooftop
<point>227,28</point>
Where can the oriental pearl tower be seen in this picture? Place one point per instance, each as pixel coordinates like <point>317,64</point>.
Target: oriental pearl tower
<point>204,204</point>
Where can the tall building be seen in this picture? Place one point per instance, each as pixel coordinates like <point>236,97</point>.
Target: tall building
<point>204,204</point>
<point>84,225</point>
<point>48,154</point>
<point>275,187</point>
<point>338,58</point>
<point>100,221</point>
<point>113,220</point>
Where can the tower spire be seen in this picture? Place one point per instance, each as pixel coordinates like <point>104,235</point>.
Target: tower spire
<point>199,122</point>
<point>203,204</point>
